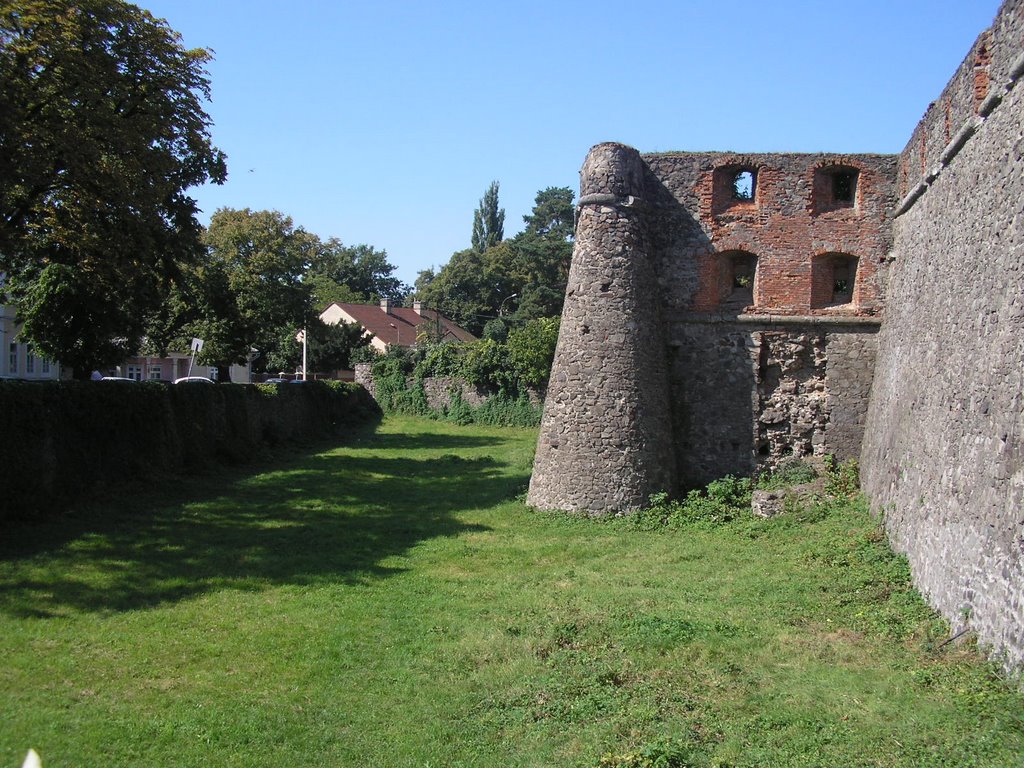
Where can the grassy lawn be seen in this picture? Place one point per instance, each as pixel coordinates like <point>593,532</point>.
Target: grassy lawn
<point>392,602</point>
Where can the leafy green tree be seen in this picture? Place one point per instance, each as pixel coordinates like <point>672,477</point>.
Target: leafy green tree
<point>531,350</point>
<point>513,281</point>
<point>330,347</point>
<point>252,289</point>
<point>488,221</point>
<point>102,131</point>
<point>465,290</point>
<point>357,274</point>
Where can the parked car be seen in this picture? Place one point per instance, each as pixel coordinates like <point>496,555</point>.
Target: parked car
<point>193,379</point>
<point>117,378</point>
<point>276,381</point>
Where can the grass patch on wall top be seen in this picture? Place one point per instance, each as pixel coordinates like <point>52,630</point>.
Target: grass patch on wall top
<point>392,602</point>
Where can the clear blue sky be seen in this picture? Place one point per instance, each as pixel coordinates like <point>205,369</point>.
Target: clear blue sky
<point>383,122</point>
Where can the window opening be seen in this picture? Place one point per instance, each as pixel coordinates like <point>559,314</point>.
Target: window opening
<point>842,281</point>
<point>844,184</point>
<point>13,357</point>
<point>737,286</point>
<point>743,185</point>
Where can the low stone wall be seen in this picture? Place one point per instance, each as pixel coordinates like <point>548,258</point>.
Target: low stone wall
<point>439,389</point>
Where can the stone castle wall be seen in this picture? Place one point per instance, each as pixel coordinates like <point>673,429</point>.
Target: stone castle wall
<point>702,335</point>
<point>603,442</point>
<point>944,455</point>
<point>748,395</point>
<point>723,312</point>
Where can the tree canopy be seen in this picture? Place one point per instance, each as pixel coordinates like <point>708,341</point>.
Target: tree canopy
<point>102,131</point>
<point>511,281</point>
<point>261,280</point>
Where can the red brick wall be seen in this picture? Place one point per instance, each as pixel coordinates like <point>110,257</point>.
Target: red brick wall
<point>791,223</point>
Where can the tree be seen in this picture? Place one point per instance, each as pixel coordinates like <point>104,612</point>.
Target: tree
<point>330,347</point>
<point>357,274</point>
<point>102,130</point>
<point>253,291</point>
<point>488,221</point>
<point>519,279</point>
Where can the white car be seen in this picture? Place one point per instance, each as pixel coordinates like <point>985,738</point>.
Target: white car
<point>191,379</point>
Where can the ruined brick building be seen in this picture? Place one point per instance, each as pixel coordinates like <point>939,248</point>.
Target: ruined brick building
<point>725,311</point>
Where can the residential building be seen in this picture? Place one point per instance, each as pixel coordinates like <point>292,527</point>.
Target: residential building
<point>394,326</point>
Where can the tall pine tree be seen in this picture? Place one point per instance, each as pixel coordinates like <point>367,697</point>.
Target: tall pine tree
<point>488,221</point>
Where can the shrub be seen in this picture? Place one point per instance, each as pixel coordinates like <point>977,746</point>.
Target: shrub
<point>842,479</point>
<point>722,501</point>
<point>69,439</point>
<point>791,471</point>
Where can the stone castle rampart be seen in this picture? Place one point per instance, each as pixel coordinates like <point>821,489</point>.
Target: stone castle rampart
<point>726,311</point>
<point>943,458</point>
<point>607,398</point>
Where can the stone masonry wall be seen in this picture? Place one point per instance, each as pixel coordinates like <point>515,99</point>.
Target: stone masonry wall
<point>790,225</point>
<point>944,455</point>
<point>604,444</point>
<point>743,287</point>
<point>747,395</point>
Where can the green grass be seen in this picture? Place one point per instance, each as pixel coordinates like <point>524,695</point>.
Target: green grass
<point>392,602</point>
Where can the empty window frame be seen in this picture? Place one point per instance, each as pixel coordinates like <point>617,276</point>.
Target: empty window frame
<point>835,188</point>
<point>743,185</point>
<point>734,186</point>
<point>834,277</point>
<point>737,279</point>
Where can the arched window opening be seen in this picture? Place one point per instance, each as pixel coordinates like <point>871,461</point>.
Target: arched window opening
<point>835,187</point>
<point>737,279</point>
<point>834,280</point>
<point>734,188</point>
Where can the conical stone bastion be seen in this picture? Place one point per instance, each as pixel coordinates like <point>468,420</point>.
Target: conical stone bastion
<point>605,439</point>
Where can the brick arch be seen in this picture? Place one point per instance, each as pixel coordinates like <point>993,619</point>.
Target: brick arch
<point>737,279</point>
<point>834,280</point>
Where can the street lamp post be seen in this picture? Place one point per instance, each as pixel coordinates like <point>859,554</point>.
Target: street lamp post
<point>501,307</point>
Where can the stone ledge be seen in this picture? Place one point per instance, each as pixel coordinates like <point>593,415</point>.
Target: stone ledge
<point>785,320</point>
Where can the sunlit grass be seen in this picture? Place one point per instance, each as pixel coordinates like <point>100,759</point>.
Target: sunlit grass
<point>392,602</point>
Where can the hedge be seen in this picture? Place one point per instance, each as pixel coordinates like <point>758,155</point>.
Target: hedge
<point>67,440</point>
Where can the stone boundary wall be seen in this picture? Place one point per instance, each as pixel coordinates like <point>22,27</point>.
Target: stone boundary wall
<point>943,459</point>
<point>438,389</point>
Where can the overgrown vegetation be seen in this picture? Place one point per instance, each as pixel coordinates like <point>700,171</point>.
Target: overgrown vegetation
<point>67,440</point>
<point>389,602</point>
<point>509,371</point>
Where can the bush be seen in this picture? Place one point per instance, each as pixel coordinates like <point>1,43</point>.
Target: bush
<point>722,501</point>
<point>68,439</point>
<point>791,471</point>
<point>842,479</point>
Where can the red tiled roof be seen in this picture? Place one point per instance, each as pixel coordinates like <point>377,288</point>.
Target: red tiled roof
<point>400,325</point>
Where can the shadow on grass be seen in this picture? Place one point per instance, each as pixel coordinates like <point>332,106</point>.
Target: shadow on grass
<point>322,518</point>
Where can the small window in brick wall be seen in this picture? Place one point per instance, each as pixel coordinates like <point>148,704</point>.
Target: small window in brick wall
<point>734,189</point>
<point>834,278</point>
<point>743,185</point>
<point>835,188</point>
<point>737,276</point>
